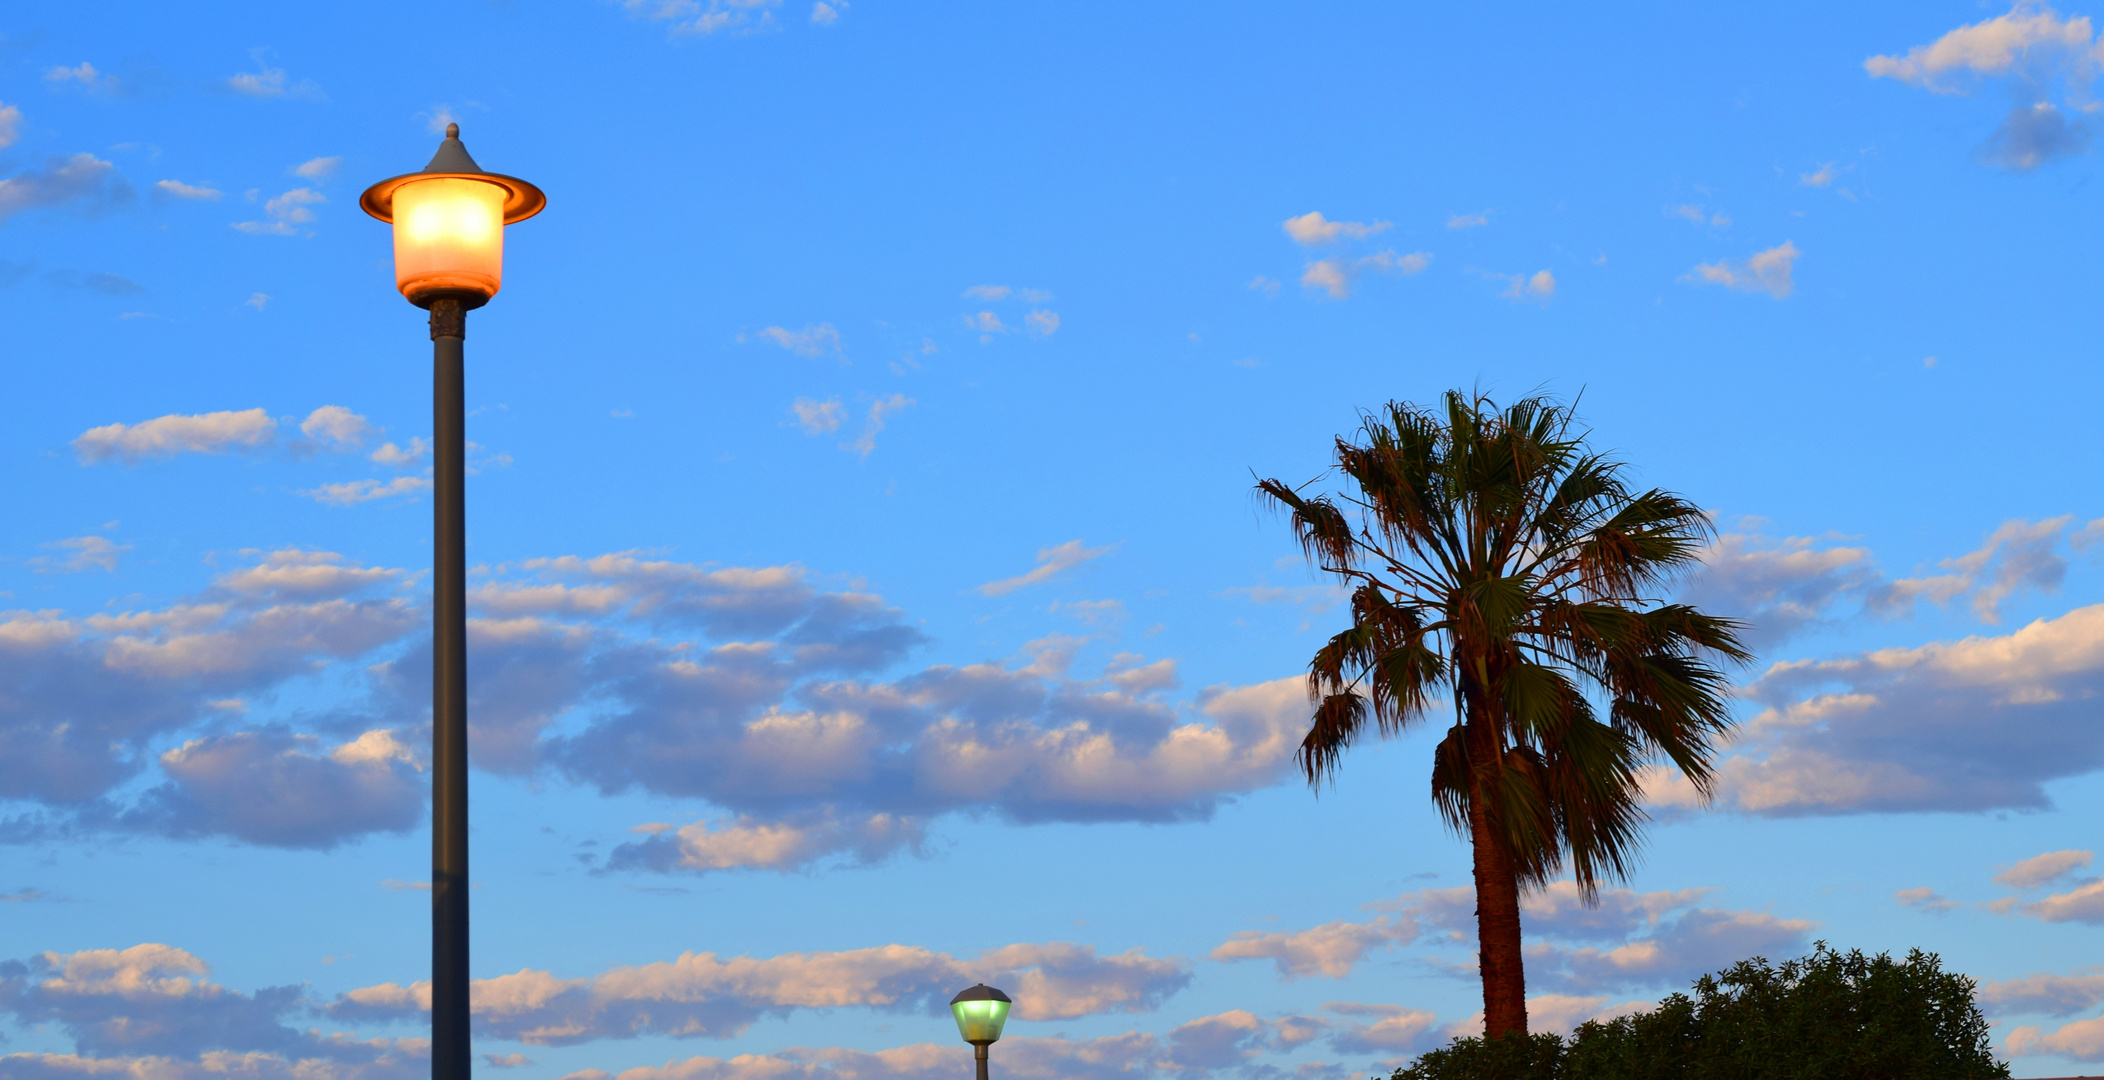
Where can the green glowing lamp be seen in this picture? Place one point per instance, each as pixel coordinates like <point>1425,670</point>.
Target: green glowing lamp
<point>981,1013</point>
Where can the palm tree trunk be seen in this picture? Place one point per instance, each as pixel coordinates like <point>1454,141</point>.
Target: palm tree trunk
<point>1497,924</point>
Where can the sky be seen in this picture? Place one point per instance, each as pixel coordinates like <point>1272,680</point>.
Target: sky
<point>867,594</point>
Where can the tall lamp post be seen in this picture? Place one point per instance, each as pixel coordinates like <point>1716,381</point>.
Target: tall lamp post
<point>981,1013</point>
<point>449,258</point>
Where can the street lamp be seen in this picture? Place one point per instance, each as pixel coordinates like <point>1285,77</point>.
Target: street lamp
<point>981,1013</point>
<point>449,258</point>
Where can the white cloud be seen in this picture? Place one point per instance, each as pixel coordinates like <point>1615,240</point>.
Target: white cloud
<point>2082,1040</point>
<point>83,179</point>
<point>280,790</point>
<point>702,995</point>
<point>987,293</point>
<point>826,14</point>
<point>1696,214</point>
<point>2039,52</point>
<point>353,492</point>
<point>1974,724</point>
<point>1331,949</point>
<point>746,843</point>
<point>1264,285</point>
<point>85,552</point>
<point>1051,562</point>
<point>178,189</point>
<point>336,427</point>
<point>873,424</point>
<point>1766,271</point>
<point>2027,35</point>
<point>818,417</point>
<point>1541,286</point>
<point>10,124</point>
<point>986,323</point>
<point>1313,230</point>
<point>320,168</point>
<point>84,74</point>
<point>1824,177</point>
<point>1336,276</point>
<point>1468,221</point>
<point>1393,1030</point>
<point>167,436</point>
<point>810,341</point>
<point>704,17</point>
<point>2052,995</point>
<point>2041,869</point>
<point>1042,323</point>
<point>270,82</point>
<point>2083,904</point>
<point>259,301</point>
<point>1925,899</point>
<point>293,574</point>
<point>284,212</point>
<point>404,455</point>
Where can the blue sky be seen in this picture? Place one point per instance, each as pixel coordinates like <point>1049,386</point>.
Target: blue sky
<point>869,598</point>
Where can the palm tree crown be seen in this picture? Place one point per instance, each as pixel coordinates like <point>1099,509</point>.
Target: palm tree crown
<point>1496,562</point>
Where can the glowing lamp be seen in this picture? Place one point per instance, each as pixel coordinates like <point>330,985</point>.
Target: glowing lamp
<point>981,1012</point>
<point>449,225</point>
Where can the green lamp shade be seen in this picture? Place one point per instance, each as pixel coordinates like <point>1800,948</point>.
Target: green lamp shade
<point>981,1012</point>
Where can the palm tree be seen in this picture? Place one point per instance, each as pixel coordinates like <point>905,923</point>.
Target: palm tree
<point>1496,562</point>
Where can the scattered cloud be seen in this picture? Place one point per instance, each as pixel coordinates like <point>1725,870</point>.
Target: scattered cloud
<point>1696,214</point>
<point>1823,177</point>
<point>317,169</point>
<point>10,124</point>
<point>1051,562</point>
<point>1766,271</point>
<point>701,995</point>
<point>826,14</point>
<point>1925,899</point>
<point>818,417</point>
<point>2082,1040</point>
<point>284,213</point>
<point>83,180</point>
<point>1264,285</point>
<point>1468,221</point>
<point>404,455</point>
<point>178,190</point>
<point>1330,950</point>
<point>2043,869</point>
<point>2050,995</point>
<point>987,293</point>
<point>1336,276</point>
<point>353,492</point>
<point>83,553</point>
<point>270,82</point>
<point>259,301</point>
<point>1314,230</point>
<point>1778,587</point>
<point>812,341</point>
<point>1042,323</point>
<point>872,425</point>
<point>84,74</point>
<point>2038,54</point>
<point>167,436</point>
<point>1389,1029</point>
<point>705,17</point>
<point>1539,287</point>
<point>986,323</point>
<point>338,428</point>
<point>746,843</point>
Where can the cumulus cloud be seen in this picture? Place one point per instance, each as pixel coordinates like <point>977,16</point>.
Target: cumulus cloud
<point>353,492</point>
<point>1925,899</point>
<point>1387,1029</point>
<point>270,82</point>
<point>1041,322</point>
<point>1975,724</point>
<point>818,417</point>
<point>987,293</point>
<point>1051,562</point>
<point>1540,287</point>
<point>83,181</point>
<point>277,789</point>
<point>338,428</point>
<point>10,124</point>
<point>1337,276</point>
<point>2042,993</point>
<point>2018,555</point>
<point>701,995</point>
<point>83,553</point>
<point>705,17</point>
<point>865,443</point>
<point>167,436</point>
<point>91,697</point>
<point>1468,221</point>
<point>1779,587</point>
<point>1766,271</point>
<point>1313,230</point>
<point>284,213</point>
<point>1112,1057</point>
<point>176,189</point>
<point>2082,1040</point>
<point>2038,54</point>
<point>2042,869</point>
<point>1331,949</point>
<point>319,168</point>
<point>745,843</point>
<point>812,341</point>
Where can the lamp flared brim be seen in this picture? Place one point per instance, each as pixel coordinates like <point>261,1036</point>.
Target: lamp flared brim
<point>521,199</point>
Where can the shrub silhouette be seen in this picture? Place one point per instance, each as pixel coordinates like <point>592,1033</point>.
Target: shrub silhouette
<point>1827,1016</point>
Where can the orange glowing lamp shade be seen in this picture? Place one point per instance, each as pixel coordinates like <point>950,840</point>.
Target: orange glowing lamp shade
<point>449,224</point>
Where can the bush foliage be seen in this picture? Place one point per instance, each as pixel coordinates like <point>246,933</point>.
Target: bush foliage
<point>1827,1016</point>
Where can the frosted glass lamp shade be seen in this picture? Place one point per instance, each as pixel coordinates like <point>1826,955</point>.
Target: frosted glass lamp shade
<point>449,237</point>
<point>981,1013</point>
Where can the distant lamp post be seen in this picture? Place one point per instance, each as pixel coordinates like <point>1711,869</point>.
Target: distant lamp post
<point>449,258</point>
<point>981,1013</point>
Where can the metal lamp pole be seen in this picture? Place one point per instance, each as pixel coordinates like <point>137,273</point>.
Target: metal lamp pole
<point>449,258</point>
